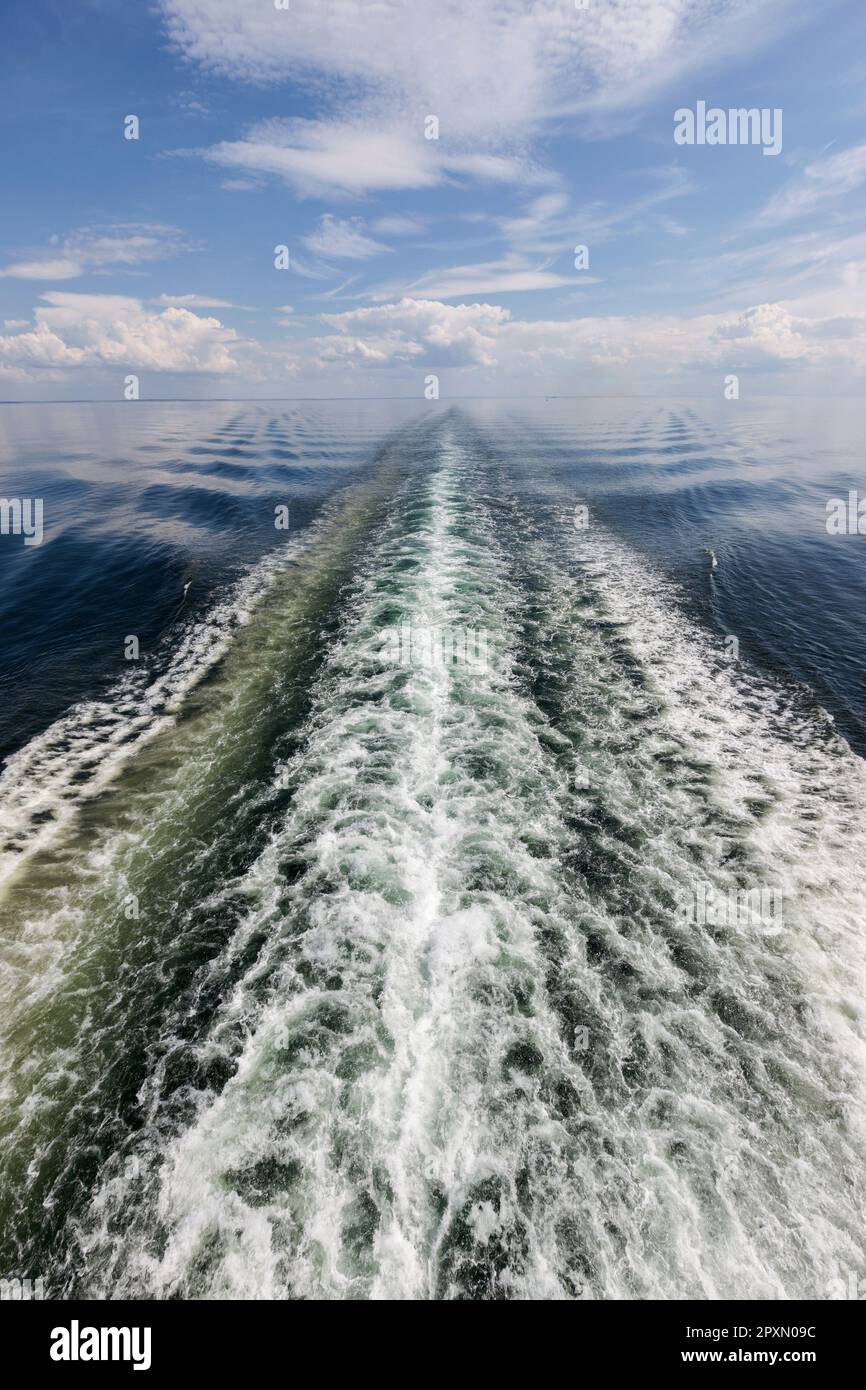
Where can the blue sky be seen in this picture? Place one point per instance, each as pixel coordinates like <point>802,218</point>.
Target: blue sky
<point>409,256</point>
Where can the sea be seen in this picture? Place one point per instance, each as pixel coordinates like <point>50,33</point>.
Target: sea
<point>432,849</point>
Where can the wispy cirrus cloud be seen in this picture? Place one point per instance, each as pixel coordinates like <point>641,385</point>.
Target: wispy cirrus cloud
<point>552,221</point>
<point>773,267</point>
<point>544,233</point>
<point>194,301</point>
<point>350,159</point>
<point>340,239</point>
<point>823,183</point>
<point>493,73</point>
<point>399,224</point>
<point>98,250</point>
<point>513,274</point>
<point>485,68</point>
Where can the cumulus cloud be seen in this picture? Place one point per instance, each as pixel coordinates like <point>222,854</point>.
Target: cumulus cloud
<point>770,329</point>
<point>75,330</point>
<point>431,333</point>
<point>445,335</point>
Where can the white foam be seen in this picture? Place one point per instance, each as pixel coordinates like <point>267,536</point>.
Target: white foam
<point>446,904</point>
<point>416,811</point>
<point>44,784</point>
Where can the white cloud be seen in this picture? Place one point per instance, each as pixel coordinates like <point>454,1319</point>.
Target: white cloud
<point>486,342</point>
<point>317,156</point>
<point>552,224</point>
<point>491,72</point>
<point>398,225</point>
<point>58,268</point>
<point>194,301</point>
<point>95,249</point>
<point>822,182</point>
<point>342,240</point>
<point>307,272</point>
<point>770,329</point>
<point>775,268</point>
<point>74,330</point>
<point>441,334</point>
<point>511,275</point>
<point>429,333</point>
<point>322,157</point>
<point>483,68</point>
<point>670,226</point>
<point>40,347</point>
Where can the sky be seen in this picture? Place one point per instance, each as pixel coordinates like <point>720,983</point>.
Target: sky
<point>311,127</point>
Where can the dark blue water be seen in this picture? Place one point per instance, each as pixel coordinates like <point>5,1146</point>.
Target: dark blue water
<point>332,972</point>
<point>750,482</point>
<point>143,499</point>
<point>138,504</point>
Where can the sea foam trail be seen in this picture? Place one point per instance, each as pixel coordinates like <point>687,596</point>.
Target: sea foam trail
<point>471,1047</point>
<point>113,947</point>
<point>396,946</point>
<point>44,785</point>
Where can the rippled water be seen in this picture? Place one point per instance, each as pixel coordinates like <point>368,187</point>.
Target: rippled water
<point>326,976</point>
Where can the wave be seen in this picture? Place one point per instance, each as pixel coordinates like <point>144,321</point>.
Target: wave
<point>44,784</point>
<point>440,1019</point>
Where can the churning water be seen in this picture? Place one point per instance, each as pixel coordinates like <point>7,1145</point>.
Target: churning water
<point>330,975</point>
